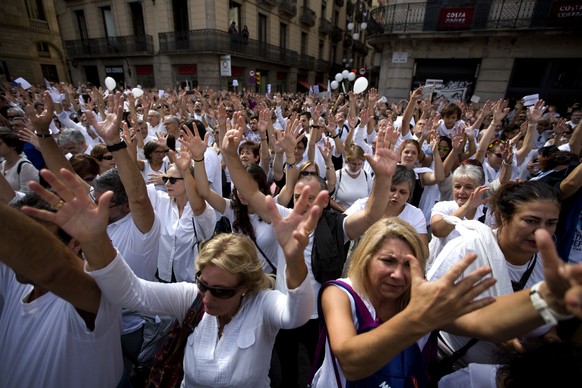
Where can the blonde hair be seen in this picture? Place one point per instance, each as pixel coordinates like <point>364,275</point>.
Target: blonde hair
<point>371,243</point>
<point>237,255</point>
<point>355,152</point>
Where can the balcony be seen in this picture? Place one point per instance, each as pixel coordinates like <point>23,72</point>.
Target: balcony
<point>38,24</point>
<point>360,47</point>
<point>307,16</point>
<point>339,3</point>
<point>325,26</point>
<point>306,62</point>
<point>288,7</point>
<point>221,42</point>
<point>117,46</point>
<point>495,15</point>
<point>337,34</point>
<point>322,66</point>
<point>268,3</point>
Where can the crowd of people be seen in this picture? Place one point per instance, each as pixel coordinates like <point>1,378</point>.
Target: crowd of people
<point>413,244</point>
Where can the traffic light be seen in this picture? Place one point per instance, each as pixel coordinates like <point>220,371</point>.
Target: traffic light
<point>258,77</point>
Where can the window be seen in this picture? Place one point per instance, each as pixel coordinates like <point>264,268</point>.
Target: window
<point>43,49</point>
<point>137,22</point>
<point>82,24</point>
<point>50,73</point>
<point>283,35</point>
<point>262,28</point>
<point>35,9</point>
<point>320,52</point>
<point>234,13</point>
<point>108,24</point>
<point>180,9</point>
<point>304,43</point>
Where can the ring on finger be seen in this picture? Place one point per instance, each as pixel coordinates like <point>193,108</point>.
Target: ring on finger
<point>59,205</point>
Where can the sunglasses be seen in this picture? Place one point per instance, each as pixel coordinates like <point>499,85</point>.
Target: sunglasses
<point>307,173</point>
<point>499,155</point>
<point>217,292</point>
<point>107,157</point>
<point>171,179</point>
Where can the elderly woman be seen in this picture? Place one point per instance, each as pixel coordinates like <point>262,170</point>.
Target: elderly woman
<point>17,170</point>
<point>469,198</point>
<point>379,318</point>
<point>352,182</point>
<point>521,209</point>
<point>232,343</point>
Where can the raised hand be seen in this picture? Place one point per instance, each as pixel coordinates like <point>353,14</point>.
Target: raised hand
<point>500,110</point>
<point>293,231</point>
<point>196,145</point>
<point>442,301</point>
<point>28,136</point>
<point>108,129</point>
<point>77,214</point>
<point>235,135</point>
<point>535,112</point>
<point>385,160</point>
<point>326,150</point>
<point>183,161</point>
<point>41,122</point>
<point>293,134</point>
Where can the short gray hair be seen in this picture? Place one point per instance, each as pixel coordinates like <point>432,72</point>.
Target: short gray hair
<point>70,135</point>
<point>470,172</point>
<point>110,180</point>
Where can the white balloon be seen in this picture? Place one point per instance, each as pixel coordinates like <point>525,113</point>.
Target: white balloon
<point>339,77</point>
<point>351,76</point>
<point>350,26</point>
<point>137,92</point>
<point>345,74</point>
<point>360,85</point>
<point>364,25</point>
<point>356,36</point>
<point>334,85</point>
<point>110,83</point>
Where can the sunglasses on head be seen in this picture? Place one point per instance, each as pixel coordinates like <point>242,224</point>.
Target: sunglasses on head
<point>495,142</point>
<point>107,157</point>
<point>171,179</point>
<point>217,292</point>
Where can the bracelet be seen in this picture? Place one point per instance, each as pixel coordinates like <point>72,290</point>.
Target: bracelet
<point>116,147</point>
<point>335,136</point>
<point>329,168</point>
<point>43,135</point>
<point>549,316</point>
<point>290,165</point>
<point>507,164</point>
<point>199,160</point>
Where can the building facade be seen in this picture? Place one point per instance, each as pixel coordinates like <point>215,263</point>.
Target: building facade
<point>290,45</point>
<point>30,42</point>
<point>487,49</point>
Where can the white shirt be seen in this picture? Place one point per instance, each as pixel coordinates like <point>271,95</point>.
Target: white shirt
<point>213,169</point>
<point>179,242</point>
<point>410,214</point>
<point>349,190</point>
<point>264,234</point>
<point>241,356</point>
<point>45,343</point>
<point>19,182</point>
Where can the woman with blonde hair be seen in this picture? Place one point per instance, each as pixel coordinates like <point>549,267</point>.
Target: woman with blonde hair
<point>378,320</point>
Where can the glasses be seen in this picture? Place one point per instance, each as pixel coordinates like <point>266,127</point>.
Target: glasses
<point>307,173</point>
<point>499,155</point>
<point>217,292</point>
<point>444,148</point>
<point>160,152</point>
<point>495,142</point>
<point>171,179</point>
<point>107,157</point>
<point>314,126</point>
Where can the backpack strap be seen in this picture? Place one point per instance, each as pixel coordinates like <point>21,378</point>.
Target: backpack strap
<point>19,166</point>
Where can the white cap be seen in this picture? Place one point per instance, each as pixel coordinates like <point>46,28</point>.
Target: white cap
<point>383,99</point>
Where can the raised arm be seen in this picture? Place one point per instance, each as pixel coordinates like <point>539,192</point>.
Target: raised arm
<point>409,111</point>
<point>287,143</point>
<point>500,110</point>
<point>244,183</point>
<point>183,162</point>
<point>141,208</point>
<point>576,139</point>
<point>197,147</point>
<point>534,115</point>
<point>384,165</point>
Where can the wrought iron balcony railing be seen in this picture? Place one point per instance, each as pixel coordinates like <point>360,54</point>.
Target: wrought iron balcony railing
<point>110,47</point>
<point>325,26</point>
<point>307,16</point>
<point>39,24</point>
<point>221,42</point>
<point>268,3</point>
<point>288,7</point>
<point>490,15</point>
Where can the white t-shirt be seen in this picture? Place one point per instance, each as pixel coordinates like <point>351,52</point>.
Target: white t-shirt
<point>147,170</point>
<point>410,214</point>
<point>45,343</point>
<point>19,182</point>
<point>241,356</point>
<point>264,234</point>
<point>446,208</point>
<point>213,169</point>
<point>178,242</point>
<point>349,190</point>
